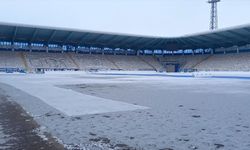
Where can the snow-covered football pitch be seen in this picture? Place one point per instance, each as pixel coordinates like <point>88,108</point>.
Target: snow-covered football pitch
<point>121,111</point>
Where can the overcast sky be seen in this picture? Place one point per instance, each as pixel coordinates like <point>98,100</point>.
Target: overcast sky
<point>144,17</point>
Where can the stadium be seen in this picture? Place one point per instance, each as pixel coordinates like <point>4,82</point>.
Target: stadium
<point>26,48</point>
<point>65,88</point>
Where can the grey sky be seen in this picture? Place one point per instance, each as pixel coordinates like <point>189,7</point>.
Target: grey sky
<point>146,17</point>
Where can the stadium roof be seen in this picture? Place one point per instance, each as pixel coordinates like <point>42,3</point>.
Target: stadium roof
<point>228,37</point>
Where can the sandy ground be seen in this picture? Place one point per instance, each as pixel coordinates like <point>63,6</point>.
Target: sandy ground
<point>178,113</point>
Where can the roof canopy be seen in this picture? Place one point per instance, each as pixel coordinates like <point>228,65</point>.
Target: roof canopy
<point>51,35</point>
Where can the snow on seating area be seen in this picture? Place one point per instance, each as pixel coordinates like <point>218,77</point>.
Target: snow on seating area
<point>216,62</point>
<point>42,60</point>
<point>186,61</point>
<point>227,62</point>
<point>49,61</point>
<point>192,61</point>
<point>152,61</point>
<point>10,60</point>
<point>129,62</point>
<point>87,61</point>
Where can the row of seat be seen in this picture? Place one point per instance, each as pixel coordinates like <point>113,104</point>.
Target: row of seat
<point>208,62</point>
<point>11,60</point>
<point>227,62</point>
<point>34,60</point>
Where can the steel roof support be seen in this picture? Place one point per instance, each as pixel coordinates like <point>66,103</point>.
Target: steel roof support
<point>148,44</point>
<point>133,43</point>
<point>197,40</point>
<point>81,41</point>
<point>137,42</point>
<point>246,30</point>
<point>110,39</point>
<point>185,42</point>
<point>33,35</point>
<point>126,41</point>
<point>51,36</point>
<point>243,38</point>
<point>201,43</point>
<point>212,39</point>
<point>226,38</point>
<point>157,44</point>
<point>197,43</point>
<point>122,39</point>
<point>14,34</point>
<point>98,37</point>
<point>67,38</point>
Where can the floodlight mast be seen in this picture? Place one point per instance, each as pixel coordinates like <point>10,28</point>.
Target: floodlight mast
<point>214,16</point>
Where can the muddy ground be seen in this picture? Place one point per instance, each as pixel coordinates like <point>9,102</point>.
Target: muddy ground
<point>17,129</point>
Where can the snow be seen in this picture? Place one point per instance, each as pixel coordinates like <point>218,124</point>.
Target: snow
<point>181,113</point>
<point>67,101</point>
<point>3,139</point>
<point>221,74</point>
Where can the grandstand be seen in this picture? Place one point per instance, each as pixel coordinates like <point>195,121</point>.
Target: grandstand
<point>49,61</point>
<point>36,48</point>
<point>227,62</point>
<point>93,62</point>
<point>33,61</point>
<point>129,63</point>
<point>11,60</point>
<point>37,61</point>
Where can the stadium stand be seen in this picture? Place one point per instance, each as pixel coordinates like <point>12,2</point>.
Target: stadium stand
<point>38,60</point>
<point>226,62</point>
<point>186,62</point>
<point>208,62</point>
<point>33,61</point>
<point>11,60</point>
<point>153,62</point>
<point>46,48</point>
<point>93,62</point>
<point>129,62</point>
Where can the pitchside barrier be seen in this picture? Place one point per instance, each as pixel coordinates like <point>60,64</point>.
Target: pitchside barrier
<point>202,75</point>
<point>12,70</point>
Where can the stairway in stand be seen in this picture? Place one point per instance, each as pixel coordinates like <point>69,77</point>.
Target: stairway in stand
<point>23,57</point>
